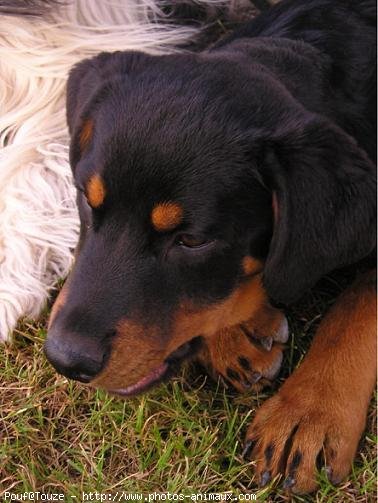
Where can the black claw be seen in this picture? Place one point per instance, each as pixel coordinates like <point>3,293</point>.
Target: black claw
<point>246,384</point>
<point>248,448</point>
<point>288,482</point>
<point>268,453</point>
<point>335,480</point>
<point>266,343</point>
<point>256,376</point>
<point>328,471</point>
<point>265,478</point>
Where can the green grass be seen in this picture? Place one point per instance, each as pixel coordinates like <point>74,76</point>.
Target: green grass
<point>183,437</point>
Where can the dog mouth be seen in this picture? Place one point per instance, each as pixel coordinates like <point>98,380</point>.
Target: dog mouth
<point>167,369</point>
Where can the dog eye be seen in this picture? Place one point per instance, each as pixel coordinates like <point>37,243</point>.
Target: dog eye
<point>190,241</point>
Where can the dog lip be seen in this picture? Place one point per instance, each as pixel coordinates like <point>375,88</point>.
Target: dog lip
<point>144,383</point>
<point>159,373</point>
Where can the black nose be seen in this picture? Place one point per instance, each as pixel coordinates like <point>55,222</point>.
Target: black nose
<point>76,356</point>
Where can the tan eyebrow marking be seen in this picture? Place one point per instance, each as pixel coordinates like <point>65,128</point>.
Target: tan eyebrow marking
<point>251,265</point>
<point>95,191</point>
<point>166,216</point>
<point>86,134</point>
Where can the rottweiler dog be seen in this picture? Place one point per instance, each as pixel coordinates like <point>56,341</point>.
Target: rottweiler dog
<point>211,184</point>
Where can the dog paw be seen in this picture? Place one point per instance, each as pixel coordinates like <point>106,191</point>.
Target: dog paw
<point>248,356</point>
<point>301,430</point>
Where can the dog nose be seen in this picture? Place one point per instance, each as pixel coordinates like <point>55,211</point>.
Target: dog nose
<point>75,356</point>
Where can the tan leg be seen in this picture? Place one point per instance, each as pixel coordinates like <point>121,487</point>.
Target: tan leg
<point>321,409</point>
<point>248,355</point>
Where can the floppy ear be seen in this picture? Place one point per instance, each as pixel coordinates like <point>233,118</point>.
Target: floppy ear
<point>88,83</point>
<point>325,191</point>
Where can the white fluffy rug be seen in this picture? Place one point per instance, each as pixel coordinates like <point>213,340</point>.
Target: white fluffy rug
<point>38,217</point>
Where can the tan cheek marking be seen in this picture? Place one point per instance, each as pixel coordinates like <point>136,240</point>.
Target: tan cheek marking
<point>251,265</point>
<point>242,304</point>
<point>58,304</point>
<point>149,346</point>
<point>86,134</point>
<point>95,191</point>
<point>146,345</point>
<point>166,216</point>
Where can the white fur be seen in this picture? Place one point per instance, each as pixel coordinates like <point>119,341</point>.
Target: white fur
<point>38,217</point>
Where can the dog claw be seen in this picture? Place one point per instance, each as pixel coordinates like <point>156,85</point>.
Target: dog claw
<point>328,471</point>
<point>266,343</point>
<point>256,376</point>
<point>246,384</point>
<point>335,480</point>
<point>288,483</point>
<point>265,478</point>
<point>248,446</point>
<point>283,332</point>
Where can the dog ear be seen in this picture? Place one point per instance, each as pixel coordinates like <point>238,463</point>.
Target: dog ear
<point>88,83</point>
<point>324,189</point>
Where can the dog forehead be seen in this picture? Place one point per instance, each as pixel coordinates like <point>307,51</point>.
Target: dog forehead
<point>165,147</point>
<point>169,158</point>
<point>167,192</point>
<point>167,113</point>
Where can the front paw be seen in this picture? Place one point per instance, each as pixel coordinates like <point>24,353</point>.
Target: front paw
<point>246,357</point>
<point>301,430</point>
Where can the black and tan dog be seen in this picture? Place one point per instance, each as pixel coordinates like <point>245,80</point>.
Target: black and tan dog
<point>208,184</point>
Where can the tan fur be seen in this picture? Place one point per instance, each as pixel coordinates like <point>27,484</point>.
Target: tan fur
<point>58,304</point>
<point>137,350</point>
<point>86,134</point>
<point>166,216</point>
<point>223,352</point>
<point>327,397</point>
<point>95,191</point>
<point>251,266</point>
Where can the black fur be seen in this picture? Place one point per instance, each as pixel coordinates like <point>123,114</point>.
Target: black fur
<point>285,105</point>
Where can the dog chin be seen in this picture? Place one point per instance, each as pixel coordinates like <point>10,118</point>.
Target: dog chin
<point>162,373</point>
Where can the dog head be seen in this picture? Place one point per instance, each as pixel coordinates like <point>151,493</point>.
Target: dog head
<point>199,197</point>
